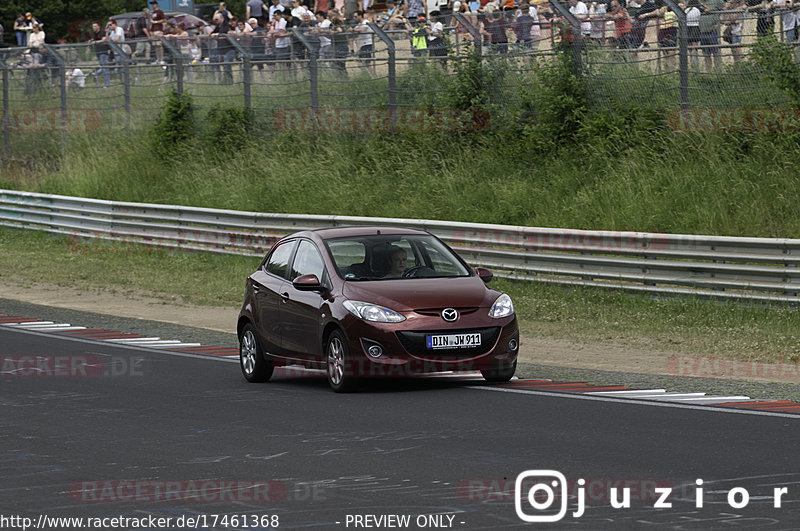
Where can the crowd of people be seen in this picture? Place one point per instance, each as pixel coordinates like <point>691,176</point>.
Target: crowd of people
<point>338,29</point>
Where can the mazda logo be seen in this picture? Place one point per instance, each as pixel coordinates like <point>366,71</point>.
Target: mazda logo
<point>449,314</point>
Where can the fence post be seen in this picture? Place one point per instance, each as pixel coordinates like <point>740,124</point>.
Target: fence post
<point>683,54</point>
<point>313,71</point>
<point>177,58</point>
<point>126,80</point>
<point>390,48</point>
<point>473,31</point>
<point>247,74</point>
<point>6,133</point>
<point>62,83</point>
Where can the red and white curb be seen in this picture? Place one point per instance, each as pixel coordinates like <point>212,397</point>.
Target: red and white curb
<point>106,336</point>
<point>610,392</point>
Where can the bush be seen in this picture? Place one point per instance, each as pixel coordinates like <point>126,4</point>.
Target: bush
<point>228,130</point>
<point>175,126</point>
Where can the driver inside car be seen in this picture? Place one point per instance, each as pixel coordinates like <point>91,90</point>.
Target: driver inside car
<point>397,262</point>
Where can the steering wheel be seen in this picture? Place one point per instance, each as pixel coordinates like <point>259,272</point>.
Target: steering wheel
<point>412,271</point>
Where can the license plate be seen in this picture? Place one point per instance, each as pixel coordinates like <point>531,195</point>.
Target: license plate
<point>453,341</point>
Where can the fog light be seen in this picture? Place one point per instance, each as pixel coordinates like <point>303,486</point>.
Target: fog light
<point>513,345</point>
<point>375,351</point>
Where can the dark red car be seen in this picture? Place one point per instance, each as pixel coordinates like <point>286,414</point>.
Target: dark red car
<point>370,302</point>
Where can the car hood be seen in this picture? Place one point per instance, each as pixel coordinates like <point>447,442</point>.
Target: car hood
<point>422,293</point>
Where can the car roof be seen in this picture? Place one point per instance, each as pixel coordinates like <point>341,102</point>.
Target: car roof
<point>343,232</point>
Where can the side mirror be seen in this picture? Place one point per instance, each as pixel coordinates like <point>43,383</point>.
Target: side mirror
<point>484,274</point>
<point>307,283</point>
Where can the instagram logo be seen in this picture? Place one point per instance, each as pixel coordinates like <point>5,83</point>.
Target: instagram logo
<point>538,490</point>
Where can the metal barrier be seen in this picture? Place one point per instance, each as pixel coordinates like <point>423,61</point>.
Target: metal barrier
<point>716,266</point>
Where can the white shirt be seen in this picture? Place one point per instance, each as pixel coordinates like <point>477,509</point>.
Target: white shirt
<point>77,77</point>
<point>118,35</point>
<point>581,12</point>
<point>324,40</point>
<point>299,11</point>
<point>35,39</point>
<point>789,17</point>
<point>364,34</point>
<point>282,42</point>
<point>693,17</point>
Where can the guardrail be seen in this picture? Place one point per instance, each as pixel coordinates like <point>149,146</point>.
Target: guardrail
<point>715,266</point>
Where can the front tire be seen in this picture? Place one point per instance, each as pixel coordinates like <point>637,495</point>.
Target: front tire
<point>255,367</point>
<point>500,373</point>
<point>338,365</point>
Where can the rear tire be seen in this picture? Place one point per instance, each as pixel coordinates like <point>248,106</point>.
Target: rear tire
<point>255,367</point>
<point>500,373</point>
<point>338,365</point>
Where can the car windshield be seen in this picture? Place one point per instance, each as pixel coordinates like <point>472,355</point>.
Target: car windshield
<point>383,257</point>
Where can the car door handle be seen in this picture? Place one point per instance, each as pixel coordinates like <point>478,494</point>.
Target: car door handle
<point>256,289</point>
<point>285,296</point>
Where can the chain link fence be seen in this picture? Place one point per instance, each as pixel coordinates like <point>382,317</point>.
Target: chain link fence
<point>390,76</point>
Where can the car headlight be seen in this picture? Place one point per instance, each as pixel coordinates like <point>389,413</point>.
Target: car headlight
<point>373,312</point>
<point>502,307</point>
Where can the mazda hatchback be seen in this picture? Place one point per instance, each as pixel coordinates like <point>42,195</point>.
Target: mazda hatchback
<point>373,302</point>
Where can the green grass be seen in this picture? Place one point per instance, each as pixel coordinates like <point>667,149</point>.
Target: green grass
<point>724,184</point>
<point>686,325</point>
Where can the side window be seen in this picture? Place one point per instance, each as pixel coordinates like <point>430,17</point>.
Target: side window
<point>307,261</point>
<point>278,261</point>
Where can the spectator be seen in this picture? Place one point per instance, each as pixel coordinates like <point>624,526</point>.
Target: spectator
<point>693,27</point>
<point>141,32</point>
<point>523,26</point>
<point>495,29</point>
<point>350,8</point>
<point>581,12</point>
<point>597,14</point>
<point>321,5</point>
<point>36,38</point>
<point>709,32</point>
<point>157,22</point>
<point>75,76</point>
<point>667,33</point>
<point>283,41</point>
<point>276,6</point>
<point>324,32</point>
<point>225,51</point>
<point>99,42</point>
<point>414,9</point>
<point>339,40</point>
<point>364,44</point>
<point>789,18</point>
<point>436,44</point>
<point>258,10</point>
<point>765,24</point>
<point>418,29</point>
<point>733,22</point>
<point>30,20</point>
<point>223,10</point>
<point>622,25</point>
<point>21,30</point>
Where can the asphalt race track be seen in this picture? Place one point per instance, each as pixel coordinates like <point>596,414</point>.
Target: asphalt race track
<point>98,430</point>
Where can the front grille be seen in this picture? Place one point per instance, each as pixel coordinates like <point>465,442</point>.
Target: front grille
<point>437,312</point>
<point>414,343</point>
